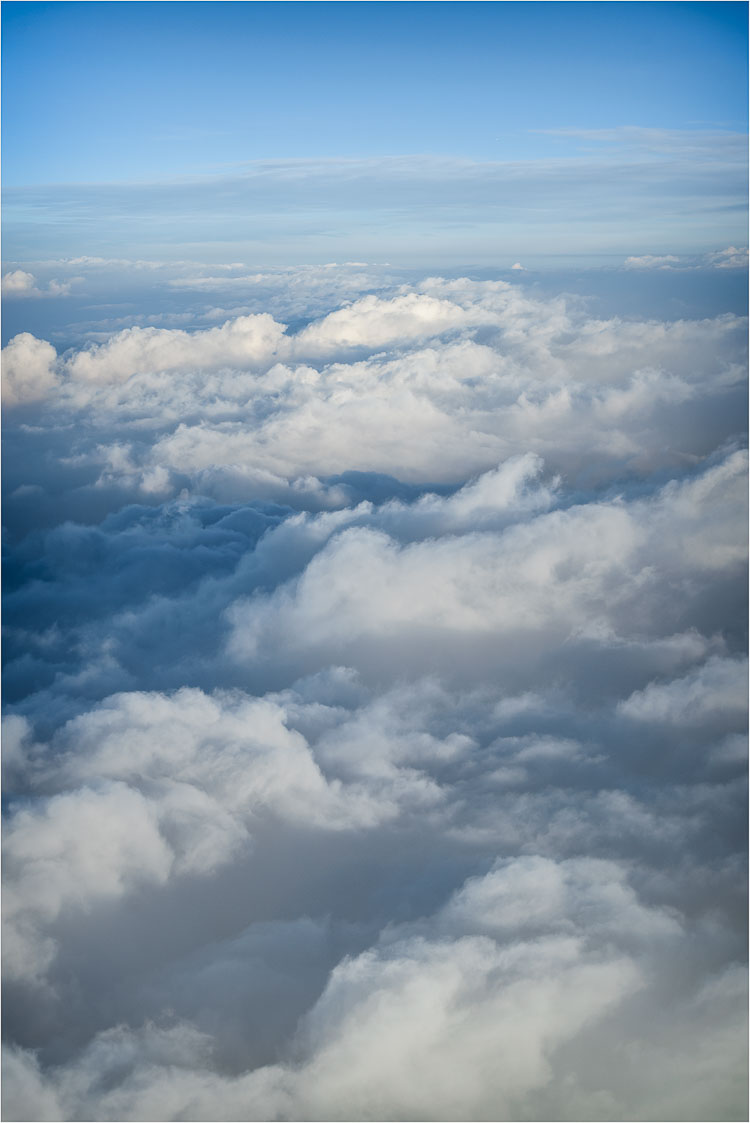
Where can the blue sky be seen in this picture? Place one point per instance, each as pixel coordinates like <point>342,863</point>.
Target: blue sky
<point>98,92</point>
<point>347,128</point>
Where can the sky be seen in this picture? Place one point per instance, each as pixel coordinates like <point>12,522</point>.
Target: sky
<point>311,132</point>
<point>374,491</point>
<point>103,93</point>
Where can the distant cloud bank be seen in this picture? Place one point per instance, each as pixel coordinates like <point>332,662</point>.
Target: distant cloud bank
<point>730,258</point>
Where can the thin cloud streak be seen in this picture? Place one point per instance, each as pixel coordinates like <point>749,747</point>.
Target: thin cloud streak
<point>685,188</point>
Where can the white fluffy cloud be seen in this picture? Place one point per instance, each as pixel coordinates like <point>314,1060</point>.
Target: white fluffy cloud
<point>599,569</point>
<point>245,341</point>
<point>375,699</point>
<point>19,283</point>
<point>437,382</point>
<point>28,366</point>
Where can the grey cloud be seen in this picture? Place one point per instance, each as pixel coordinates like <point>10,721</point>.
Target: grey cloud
<point>537,583</point>
<point>375,699</point>
<point>452,1005</point>
<point>717,690</point>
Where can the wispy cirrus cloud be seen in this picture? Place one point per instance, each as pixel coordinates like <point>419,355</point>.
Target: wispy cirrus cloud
<point>392,202</point>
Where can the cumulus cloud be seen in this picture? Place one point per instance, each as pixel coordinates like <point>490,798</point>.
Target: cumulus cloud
<point>244,340</point>
<point>29,370</point>
<point>468,1013</point>
<point>433,382</point>
<point>375,710</point>
<point>17,282</point>
<point>717,690</point>
<point>546,579</point>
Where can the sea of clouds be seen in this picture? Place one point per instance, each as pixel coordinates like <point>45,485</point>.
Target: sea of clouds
<point>375,699</point>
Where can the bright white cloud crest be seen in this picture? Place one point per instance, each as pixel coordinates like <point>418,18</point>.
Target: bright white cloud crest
<point>375,712</point>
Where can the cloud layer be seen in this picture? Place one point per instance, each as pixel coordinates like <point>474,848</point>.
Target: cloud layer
<point>685,187</point>
<point>375,710</point>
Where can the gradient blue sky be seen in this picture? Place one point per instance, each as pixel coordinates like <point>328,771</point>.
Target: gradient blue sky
<point>341,127</point>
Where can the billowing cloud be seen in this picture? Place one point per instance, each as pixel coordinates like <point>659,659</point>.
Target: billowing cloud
<point>245,340</point>
<point>19,283</point>
<point>375,711</point>
<point>490,1004</point>
<point>29,370</point>
<point>715,692</point>
<point>435,382</point>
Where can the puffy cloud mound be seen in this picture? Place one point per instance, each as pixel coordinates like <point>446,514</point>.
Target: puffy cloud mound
<point>28,367</point>
<point>375,700</point>
<point>18,282</point>
<point>244,341</point>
